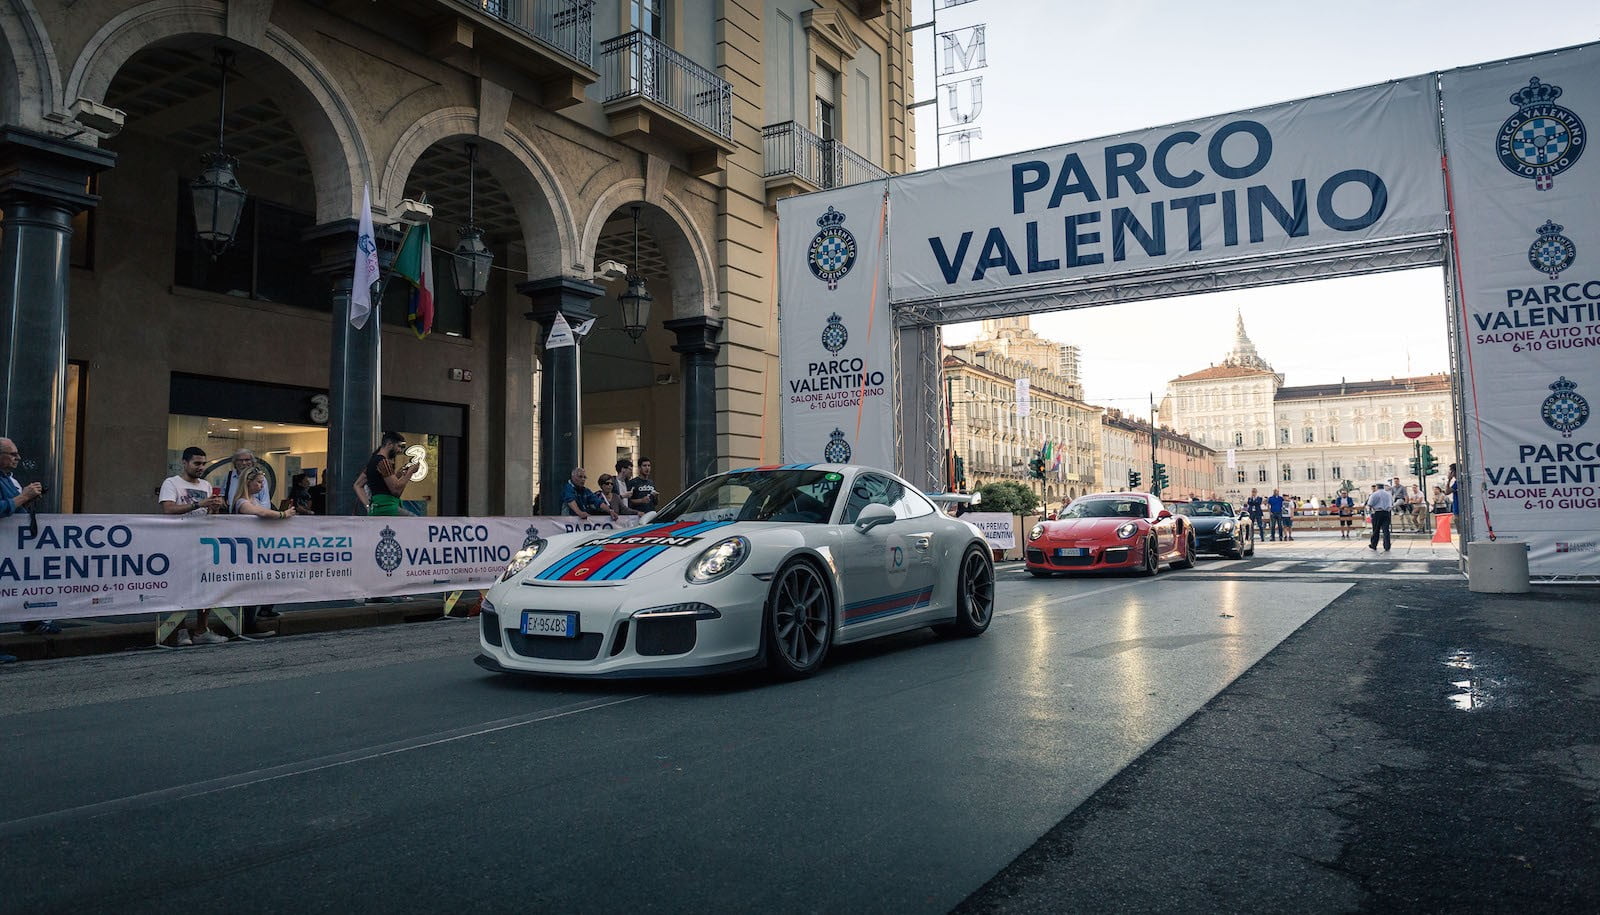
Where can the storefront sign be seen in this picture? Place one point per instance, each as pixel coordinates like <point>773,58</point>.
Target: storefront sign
<point>1528,240</point>
<point>108,565</point>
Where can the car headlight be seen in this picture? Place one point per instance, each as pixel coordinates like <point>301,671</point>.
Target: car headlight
<point>1225,527</point>
<point>523,556</point>
<point>717,560</point>
<point>1036,532</point>
<point>1128,530</point>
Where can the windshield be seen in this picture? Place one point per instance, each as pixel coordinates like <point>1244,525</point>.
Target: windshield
<point>1204,509</point>
<point>792,496</point>
<point>1107,508</point>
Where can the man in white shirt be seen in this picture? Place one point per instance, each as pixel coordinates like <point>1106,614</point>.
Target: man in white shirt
<point>187,493</point>
<point>1380,504</point>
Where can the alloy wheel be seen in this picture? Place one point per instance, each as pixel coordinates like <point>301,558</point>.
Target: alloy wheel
<point>802,624</point>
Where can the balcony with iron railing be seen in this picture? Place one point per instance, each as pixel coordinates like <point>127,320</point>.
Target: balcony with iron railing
<point>550,40</point>
<point>652,90</point>
<point>799,162</point>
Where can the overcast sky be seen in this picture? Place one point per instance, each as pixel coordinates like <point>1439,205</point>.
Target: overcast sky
<point>1062,71</point>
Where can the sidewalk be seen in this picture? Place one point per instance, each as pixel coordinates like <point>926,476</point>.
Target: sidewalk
<point>1406,546</point>
<point>102,635</point>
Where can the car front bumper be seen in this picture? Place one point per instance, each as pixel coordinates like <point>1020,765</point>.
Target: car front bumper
<point>712,628</point>
<point>1099,557</point>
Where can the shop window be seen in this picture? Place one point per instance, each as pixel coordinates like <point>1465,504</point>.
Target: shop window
<point>267,261</point>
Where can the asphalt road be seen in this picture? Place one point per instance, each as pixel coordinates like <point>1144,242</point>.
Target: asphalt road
<point>380,770</point>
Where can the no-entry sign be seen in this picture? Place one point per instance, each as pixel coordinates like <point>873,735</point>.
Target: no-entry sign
<point>1412,429</point>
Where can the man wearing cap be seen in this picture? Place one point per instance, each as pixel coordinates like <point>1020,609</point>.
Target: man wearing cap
<point>386,481</point>
<point>1379,503</point>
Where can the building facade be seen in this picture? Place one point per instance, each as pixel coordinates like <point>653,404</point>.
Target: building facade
<point>607,153</point>
<point>1308,441</point>
<point>1127,448</point>
<point>996,438</point>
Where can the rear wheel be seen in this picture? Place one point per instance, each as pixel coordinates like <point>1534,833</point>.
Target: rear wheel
<point>1186,561</point>
<point>799,621</point>
<point>974,593</point>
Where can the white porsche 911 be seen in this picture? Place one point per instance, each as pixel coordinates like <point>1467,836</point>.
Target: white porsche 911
<point>762,566</point>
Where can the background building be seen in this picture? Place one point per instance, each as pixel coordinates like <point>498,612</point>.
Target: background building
<point>655,134</point>
<point>1306,441</point>
<point>987,429</point>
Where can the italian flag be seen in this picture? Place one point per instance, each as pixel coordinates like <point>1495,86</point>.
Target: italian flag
<point>414,264</point>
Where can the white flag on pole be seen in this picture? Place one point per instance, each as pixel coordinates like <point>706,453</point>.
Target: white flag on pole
<point>560,333</point>
<point>583,329</point>
<point>1023,390</point>
<point>366,275</point>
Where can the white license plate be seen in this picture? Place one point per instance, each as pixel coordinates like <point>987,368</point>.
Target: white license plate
<point>1072,551</point>
<point>557,625</point>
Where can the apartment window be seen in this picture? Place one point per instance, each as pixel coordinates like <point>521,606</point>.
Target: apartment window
<point>1311,472</point>
<point>1436,428</point>
<point>1261,438</point>
<point>1288,474</point>
<point>1238,439</point>
<point>1261,474</point>
<point>1283,436</point>
<point>1383,431</point>
<point>1311,435</point>
<point>1239,475</point>
<point>1333,433</point>
<point>1338,472</point>
<point>1361,470</point>
<point>267,260</point>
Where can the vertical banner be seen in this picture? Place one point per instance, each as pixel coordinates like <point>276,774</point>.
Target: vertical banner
<point>1527,235</point>
<point>836,339</point>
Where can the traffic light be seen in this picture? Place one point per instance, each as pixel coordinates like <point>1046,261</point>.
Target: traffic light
<point>1413,465</point>
<point>1133,480</point>
<point>961,471</point>
<point>1430,464</point>
<point>1158,480</point>
<point>1036,467</point>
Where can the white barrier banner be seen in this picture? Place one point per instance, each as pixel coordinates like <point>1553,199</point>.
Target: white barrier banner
<point>997,528</point>
<point>1528,244</point>
<point>835,336</point>
<point>108,565</point>
<point>1336,170</point>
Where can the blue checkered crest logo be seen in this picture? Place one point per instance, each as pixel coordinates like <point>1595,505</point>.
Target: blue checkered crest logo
<point>1542,139</point>
<point>833,250</point>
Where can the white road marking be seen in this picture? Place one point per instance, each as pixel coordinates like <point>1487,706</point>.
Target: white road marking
<point>24,825</point>
<point>1411,568</point>
<point>1277,566</point>
<point>1342,567</point>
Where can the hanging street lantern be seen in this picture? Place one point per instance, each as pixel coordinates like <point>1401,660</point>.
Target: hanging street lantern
<point>472,258</point>
<point>636,301</point>
<point>217,196</point>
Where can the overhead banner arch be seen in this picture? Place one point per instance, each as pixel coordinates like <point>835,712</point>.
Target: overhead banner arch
<point>1338,185</point>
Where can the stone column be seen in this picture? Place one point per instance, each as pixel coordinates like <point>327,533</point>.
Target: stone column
<point>43,183</point>
<point>697,342</point>
<point>355,389</point>
<point>560,416</point>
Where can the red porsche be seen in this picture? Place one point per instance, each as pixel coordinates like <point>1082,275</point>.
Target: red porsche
<point>1105,532</point>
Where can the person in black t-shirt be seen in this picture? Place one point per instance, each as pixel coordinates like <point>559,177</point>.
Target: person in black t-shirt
<point>386,481</point>
<point>642,495</point>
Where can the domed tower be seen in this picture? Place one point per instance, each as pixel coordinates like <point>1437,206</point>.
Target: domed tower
<point>1243,354</point>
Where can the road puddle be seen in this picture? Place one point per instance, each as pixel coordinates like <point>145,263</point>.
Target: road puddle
<point>1471,689</point>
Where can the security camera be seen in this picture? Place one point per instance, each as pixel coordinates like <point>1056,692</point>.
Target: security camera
<point>611,270</point>
<point>414,212</point>
<point>96,118</point>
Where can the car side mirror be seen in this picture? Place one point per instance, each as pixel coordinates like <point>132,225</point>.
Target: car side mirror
<point>872,516</point>
<point>1163,515</point>
<point>645,518</point>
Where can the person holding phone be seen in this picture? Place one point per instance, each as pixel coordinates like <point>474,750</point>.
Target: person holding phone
<point>387,481</point>
<point>186,493</point>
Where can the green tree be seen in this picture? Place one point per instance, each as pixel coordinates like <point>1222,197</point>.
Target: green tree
<point>1008,496</point>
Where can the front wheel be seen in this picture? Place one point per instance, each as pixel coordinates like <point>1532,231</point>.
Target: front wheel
<point>799,621</point>
<point>974,593</point>
<point>1152,558</point>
